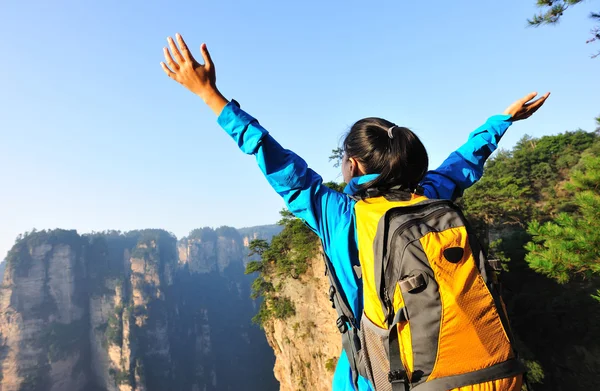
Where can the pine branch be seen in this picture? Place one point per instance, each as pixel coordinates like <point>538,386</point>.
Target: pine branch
<point>552,12</point>
<point>595,37</point>
<point>550,16</point>
<point>336,156</point>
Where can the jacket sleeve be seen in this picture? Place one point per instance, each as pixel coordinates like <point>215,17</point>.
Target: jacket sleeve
<point>300,187</point>
<point>464,166</point>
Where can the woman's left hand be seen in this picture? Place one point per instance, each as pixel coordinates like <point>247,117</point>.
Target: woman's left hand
<point>523,108</point>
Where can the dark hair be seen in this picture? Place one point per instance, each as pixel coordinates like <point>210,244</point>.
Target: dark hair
<point>400,161</point>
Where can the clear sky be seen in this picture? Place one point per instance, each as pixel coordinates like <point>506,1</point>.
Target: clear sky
<point>94,136</point>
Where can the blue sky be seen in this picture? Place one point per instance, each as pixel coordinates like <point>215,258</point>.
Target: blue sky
<point>94,136</point>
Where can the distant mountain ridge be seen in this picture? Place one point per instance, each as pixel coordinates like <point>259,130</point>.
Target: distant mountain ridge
<point>132,311</point>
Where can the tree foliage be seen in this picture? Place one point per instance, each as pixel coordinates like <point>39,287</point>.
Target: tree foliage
<point>521,185</point>
<point>287,256</point>
<point>552,11</point>
<point>570,243</point>
<point>339,187</point>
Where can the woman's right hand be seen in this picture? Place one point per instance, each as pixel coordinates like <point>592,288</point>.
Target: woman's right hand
<point>523,108</point>
<point>199,78</point>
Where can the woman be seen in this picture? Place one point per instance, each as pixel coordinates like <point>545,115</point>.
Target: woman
<point>378,155</point>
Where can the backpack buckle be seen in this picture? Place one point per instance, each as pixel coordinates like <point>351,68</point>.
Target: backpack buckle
<point>398,377</point>
<point>331,295</point>
<point>341,324</point>
<point>412,284</point>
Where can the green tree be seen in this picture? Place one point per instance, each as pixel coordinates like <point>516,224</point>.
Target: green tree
<point>570,244</point>
<point>522,185</point>
<point>282,307</point>
<point>260,287</point>
<point>552,11</point>
<point>336,186</point>
<point>257,247</point>
<point>287,256</point>
<point>253,267</point>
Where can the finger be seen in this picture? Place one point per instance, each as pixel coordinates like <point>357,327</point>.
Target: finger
<point>541,100</point>
<point>206,56</point>
<point>169,60</point>
<point>529,97</point>
<point>536,104</point>
<point>175,50</point>
<point>169,73</point>
<point>184,49</point>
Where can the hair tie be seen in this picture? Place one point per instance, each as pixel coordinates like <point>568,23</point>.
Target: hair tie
<point>390,134</point>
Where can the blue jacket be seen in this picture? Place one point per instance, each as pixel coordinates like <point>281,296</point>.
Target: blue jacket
<point>330,214</point>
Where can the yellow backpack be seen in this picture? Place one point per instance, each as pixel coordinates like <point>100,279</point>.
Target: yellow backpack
<point>433,319</point>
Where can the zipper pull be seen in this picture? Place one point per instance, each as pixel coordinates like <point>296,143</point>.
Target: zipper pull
<point>389,306</point>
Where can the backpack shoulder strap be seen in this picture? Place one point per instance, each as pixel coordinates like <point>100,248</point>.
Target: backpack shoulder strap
<point>346,322</point>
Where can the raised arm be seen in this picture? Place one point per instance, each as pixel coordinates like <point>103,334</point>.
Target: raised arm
<point>301,188</point>
<point>464,166</point>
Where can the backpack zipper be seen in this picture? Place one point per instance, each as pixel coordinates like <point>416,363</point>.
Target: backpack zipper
<point>388,306</point>
<point>428,216</point>
<point>397,232</point>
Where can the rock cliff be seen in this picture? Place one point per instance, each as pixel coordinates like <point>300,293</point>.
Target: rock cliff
<point>307,345</point>
<point>130,312</point>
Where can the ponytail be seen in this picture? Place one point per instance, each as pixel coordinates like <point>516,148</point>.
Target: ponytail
<point>393,152</point>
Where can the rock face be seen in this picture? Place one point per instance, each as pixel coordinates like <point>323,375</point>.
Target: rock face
<point>265,232</point>
<point>308,344</point>
<point>130,312</point>
<point>43,315</point>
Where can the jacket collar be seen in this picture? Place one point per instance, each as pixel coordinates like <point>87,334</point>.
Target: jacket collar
<point>354,185</point>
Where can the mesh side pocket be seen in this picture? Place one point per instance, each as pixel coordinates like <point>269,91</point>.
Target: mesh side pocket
<point>374,354</point>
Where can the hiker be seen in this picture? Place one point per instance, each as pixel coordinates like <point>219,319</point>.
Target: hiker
<point>380,158</point>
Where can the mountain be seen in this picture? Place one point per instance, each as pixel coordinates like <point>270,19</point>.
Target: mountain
<point>131,311</point>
